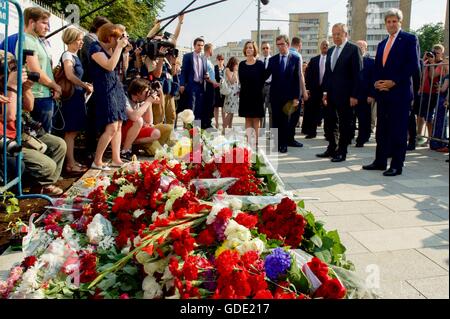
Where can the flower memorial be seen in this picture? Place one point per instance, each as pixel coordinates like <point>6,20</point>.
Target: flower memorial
<point>174,228</point>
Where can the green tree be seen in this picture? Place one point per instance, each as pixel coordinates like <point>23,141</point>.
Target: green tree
<point>429,35</point>
<point>138,16</point>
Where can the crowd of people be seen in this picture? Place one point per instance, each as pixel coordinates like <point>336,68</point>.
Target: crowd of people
<point>125,94</point>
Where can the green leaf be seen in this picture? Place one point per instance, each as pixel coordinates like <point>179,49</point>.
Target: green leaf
<point>298,279</point>
<point>130,270</point>
<point>109,281</point>
<point>317,241</point>
<point>324,255</point>
<point>301,204</point>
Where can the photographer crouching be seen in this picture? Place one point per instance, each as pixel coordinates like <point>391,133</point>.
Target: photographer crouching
<point>43,153</point>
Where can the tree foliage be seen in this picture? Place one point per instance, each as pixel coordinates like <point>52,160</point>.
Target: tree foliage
<point>429,35</point>
<point>137,15</point>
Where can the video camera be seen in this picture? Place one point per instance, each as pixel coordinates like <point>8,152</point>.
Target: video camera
<point>12,148</point>
<point>152,47</point>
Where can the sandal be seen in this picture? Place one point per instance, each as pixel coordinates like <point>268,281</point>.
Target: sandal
<point>101,168</point>
<point>52,190</point>
<point>76,169</point>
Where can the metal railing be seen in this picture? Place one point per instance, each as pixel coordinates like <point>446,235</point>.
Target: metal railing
<point>431,104</point>
<point>4,19</point>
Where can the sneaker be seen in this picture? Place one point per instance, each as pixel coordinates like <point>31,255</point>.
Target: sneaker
<point>127,155</point>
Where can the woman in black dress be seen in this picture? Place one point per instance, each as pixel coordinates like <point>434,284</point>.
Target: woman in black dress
<point>251,102</point>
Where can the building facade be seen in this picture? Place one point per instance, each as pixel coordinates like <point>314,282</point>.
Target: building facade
<point>365,19</point>
<point>232,49</point>
<point>267,36</point>
<point>312,28</point>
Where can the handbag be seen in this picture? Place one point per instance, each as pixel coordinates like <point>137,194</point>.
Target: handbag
<point>67,87</point>
<point>225,88</point>
<point>289,108</point>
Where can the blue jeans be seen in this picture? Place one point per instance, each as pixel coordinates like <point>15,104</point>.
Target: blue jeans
<point>43,112</point>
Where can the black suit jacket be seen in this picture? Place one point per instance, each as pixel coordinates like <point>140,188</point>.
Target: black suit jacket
<point>342,83</point>
<point>284,86</point>
<point>312,77</point>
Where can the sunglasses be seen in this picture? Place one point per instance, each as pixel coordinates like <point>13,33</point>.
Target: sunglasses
<point>265,48</point>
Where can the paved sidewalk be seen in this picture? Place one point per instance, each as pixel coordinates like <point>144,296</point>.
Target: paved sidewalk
<point>395,229</point>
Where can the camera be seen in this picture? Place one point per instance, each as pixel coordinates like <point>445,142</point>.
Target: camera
<point>12,148</point>
<point>12,66</point>
<point>430,55</point>
<point>30,126</point>
<point>152,47</point>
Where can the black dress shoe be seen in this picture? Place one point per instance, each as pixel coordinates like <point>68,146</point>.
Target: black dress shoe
<point>309,137</point>
<point>325,155</point>
<point>283,149</point>
<point>359,145</point>
<point>339,158</point>
<point>295,144</point>
<point>374,167</point>
<point>393,172</point>
<point>411,147</point>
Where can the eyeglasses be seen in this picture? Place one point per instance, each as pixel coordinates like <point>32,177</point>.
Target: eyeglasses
<point>281,44</point>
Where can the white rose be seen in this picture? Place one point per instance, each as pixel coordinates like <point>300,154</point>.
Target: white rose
<point>151,288</point>
<point>187,116</point>
<point>235,204</point>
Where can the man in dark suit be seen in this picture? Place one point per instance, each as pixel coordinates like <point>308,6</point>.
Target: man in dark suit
<point>194,72</point>
<point>344,62</point>
<point>285,69</point>
<point>313,77</point>
<point>396,62</point>
<point>365,96</point>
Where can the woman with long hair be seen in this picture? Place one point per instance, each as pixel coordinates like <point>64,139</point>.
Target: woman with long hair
<point>231,102</point>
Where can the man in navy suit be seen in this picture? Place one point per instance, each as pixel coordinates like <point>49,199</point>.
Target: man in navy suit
<point>396,62</point>
<point>194,72</point>
<point>365,96</point>
<point>285,69</point>
<point>340,83</point>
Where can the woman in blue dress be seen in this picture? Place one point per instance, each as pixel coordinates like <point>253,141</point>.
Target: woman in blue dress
<point>74,108</point>
<point>110,98</point>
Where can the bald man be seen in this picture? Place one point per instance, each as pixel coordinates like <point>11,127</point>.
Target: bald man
<point>366,94</point>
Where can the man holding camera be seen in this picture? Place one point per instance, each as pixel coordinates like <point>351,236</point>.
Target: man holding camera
<point>45,90</point>
<point>43,153</point>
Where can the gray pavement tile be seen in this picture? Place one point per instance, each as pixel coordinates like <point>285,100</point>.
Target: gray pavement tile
<point>406,219</point>
<point>351,244</point>
<point>440,230</point>
<point>398,290</point>
<point>405,204</point>
<point>346,195</point>
<point>398,239</point>
<point>348,223</point>
<point>395,266</point>
<point>442,213</point>
<point>440,255</point>
<point>432,288</point>
<point>7,262</point>
<point>352,208</point>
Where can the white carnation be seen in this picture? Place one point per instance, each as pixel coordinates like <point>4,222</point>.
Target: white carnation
<point>253,245</point>
<point>99,228</point>
<point>151,288</point>
<point>237,232</point>
<point>235,204</point>
<point>151,268</point>
<point>107,243</point>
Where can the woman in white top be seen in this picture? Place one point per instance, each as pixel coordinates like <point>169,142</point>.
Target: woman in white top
<point>231,103</point>
<point>74,108</point>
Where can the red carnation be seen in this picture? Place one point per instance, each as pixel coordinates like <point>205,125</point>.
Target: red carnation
<point>206,237</point>
<point>28,262</point>
<point>247,220</point>
<point>263,294</point>
<point>226,262</point>
<point>319,268</point>
<point>331,289</point>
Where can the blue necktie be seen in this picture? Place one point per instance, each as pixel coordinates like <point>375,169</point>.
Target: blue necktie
<point>282,64</point>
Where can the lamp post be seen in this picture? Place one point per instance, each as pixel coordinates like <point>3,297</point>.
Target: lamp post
<point>264,2</point>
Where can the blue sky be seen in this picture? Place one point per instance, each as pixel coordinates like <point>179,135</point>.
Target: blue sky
<point>216,23</point>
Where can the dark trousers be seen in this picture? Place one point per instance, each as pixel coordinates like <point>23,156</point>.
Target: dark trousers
<point>292,123</point>
<point>194,99</point>
<point>392,131</point>
<point>208,106</point>
<point>312,115</point>
<point>412,127</point>
<point>280,122</point>
<point>338,127</point>
<point>364,115</point>
<point>91,129</point>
